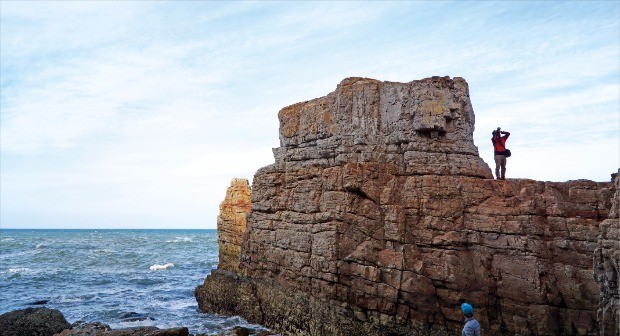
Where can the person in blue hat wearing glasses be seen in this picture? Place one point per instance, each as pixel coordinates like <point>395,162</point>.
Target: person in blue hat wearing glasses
<point>472,327</point>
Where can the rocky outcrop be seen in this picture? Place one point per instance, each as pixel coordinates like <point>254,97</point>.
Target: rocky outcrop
<point>51,322</point>
<point>32,322</point>
<point>231,223</point>
<point>378,217</point>
<point>98,329</point>
<point>607,268</point>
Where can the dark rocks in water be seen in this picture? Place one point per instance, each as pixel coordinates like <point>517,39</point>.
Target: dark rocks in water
<point>240,331</point>
<point>147,331</point>
<point>85,329</point>
<point>138,319</point>
<point>98,329</point>
<point>51,322</point>
<point>243,331</point>
<point>265,333</point>
<point>38,302</point>
<point>130,315</point>
<point>135,317</point>
<point>32,322</point>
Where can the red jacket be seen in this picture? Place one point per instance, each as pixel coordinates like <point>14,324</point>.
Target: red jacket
<point>499,143</point>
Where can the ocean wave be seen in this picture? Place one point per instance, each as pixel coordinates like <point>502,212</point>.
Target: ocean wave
<point>180,240</point>
<point>144,282</point>
<point>17,254</point>
<point>158,267</point>
<point>14,276</point>
<point>37,272</point>
<point>176,304</point>
<point>104,250</point>
<point>73,299</point>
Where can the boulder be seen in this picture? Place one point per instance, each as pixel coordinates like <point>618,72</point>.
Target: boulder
<point>85,329</point>
<point>32,322</point>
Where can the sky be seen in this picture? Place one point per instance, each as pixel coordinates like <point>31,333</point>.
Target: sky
<point>138,114</point>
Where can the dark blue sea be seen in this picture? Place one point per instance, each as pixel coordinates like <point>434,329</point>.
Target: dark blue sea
<point>124,278</point>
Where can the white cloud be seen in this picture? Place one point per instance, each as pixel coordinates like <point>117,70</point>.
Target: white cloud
<point>146,110</point>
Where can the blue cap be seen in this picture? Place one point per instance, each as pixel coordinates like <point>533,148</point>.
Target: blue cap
<point>467,309</point>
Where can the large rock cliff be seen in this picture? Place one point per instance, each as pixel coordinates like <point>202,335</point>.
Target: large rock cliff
<point>378,217</point>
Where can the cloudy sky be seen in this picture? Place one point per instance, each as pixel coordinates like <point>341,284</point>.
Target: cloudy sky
<point>138,114</point>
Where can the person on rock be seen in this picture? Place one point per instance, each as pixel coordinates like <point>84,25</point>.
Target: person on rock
<point>471,327</point>
<point>499,146</point>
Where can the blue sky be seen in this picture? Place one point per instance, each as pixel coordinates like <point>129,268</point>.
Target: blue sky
<point>138,114</point>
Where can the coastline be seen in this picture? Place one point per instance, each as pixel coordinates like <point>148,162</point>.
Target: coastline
<point>51,322</point>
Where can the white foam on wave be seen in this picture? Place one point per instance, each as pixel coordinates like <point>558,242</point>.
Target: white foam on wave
<point>104,250</point>
<point>180,240</point>
<point>31,271</point>
<point>158,267</point>
<point>177,304</point>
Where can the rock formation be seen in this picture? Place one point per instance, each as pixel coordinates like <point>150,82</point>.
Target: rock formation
<point>607,268</point>
<point>231,223</point>
<point>378,217</point>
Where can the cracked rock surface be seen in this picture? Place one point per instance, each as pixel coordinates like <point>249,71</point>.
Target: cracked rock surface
<point>378,217</point>
<point>607,268</point>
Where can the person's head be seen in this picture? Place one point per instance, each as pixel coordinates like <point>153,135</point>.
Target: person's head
<point>467,309</point>
<point>497,131</point>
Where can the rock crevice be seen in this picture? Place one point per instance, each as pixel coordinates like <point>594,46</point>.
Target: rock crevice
<point>607,268</point>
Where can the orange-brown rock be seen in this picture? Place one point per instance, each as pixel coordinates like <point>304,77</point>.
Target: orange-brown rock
<point>231,223</point>
<point>378,217</point>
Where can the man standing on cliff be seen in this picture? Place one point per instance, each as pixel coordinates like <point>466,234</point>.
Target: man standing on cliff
<point>499,145</point>
<point>472,327</point>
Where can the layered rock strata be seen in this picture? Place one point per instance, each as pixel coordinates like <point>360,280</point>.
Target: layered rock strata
<point>378,217</point>
<point>607,268</point>
<point>231,223</point>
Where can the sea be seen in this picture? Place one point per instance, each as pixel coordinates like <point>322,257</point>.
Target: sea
<point>123,278</point>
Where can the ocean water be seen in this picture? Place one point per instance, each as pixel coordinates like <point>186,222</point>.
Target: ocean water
<point>124,278</point>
